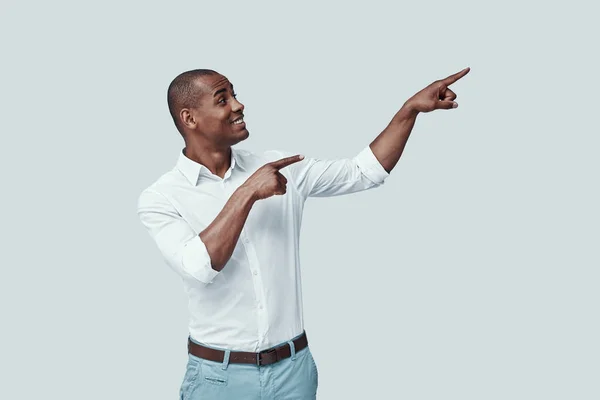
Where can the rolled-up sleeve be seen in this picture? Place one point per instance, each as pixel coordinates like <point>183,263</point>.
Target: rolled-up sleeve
<point>370,166</point>
<point>322,178</point>
<point>181,247</point>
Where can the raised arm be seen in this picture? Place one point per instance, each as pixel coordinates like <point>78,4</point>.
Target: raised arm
<point>390,143</point>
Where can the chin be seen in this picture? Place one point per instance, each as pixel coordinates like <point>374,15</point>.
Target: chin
<point>244,137</point>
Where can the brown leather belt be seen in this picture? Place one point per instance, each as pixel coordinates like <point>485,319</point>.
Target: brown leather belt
<point>265,357</point>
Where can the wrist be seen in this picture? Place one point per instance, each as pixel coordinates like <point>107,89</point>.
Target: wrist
<point>247,194</point>
<point>408,110</point>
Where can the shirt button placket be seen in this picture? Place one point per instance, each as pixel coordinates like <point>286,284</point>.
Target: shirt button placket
<point>258,286</point>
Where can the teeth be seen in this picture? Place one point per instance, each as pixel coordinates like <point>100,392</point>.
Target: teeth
<point>238,121</point>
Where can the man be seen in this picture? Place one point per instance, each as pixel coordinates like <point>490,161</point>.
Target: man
<point>228,222</point>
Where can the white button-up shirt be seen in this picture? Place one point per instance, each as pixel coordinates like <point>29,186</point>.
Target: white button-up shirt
<point>255,301</point>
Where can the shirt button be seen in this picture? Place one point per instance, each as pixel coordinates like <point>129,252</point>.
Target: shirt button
<point>255,272</point>
<point>246,240</point>
<point>260,306</point>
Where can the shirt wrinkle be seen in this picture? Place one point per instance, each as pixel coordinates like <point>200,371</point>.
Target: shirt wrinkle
<point>255,301</point>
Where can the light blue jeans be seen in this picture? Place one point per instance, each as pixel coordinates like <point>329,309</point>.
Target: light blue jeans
<point>295,377</point>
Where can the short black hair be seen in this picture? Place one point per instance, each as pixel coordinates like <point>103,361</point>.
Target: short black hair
<point>184,92</point>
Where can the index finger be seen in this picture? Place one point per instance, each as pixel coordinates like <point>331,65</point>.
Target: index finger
<point>284,162</point>
<point>454,77</point>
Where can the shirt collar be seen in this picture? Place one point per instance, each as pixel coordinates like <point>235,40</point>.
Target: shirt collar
<point>193,170</point>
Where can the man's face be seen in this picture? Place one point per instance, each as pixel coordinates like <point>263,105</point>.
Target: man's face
<point>219,116</point>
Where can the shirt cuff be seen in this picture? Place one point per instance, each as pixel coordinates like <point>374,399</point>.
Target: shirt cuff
<point>196,261</point>
<point>370,166</point>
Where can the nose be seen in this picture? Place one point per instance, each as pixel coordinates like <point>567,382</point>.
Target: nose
<point>236,106</point>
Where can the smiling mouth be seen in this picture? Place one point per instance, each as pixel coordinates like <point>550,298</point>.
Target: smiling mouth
<point>238,121</point>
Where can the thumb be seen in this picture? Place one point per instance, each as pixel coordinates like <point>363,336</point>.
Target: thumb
<point>446,104</point>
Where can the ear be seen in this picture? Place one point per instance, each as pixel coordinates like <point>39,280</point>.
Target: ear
<point>187,118</point>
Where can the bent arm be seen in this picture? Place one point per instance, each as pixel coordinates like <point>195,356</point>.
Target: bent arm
<point>389,144</point>
<point>369,169</point>
<point>223,233</point>
<point>201,256</point>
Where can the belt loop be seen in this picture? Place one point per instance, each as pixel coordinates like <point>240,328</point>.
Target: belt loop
<point>226,360</point>
<point>293,350</point>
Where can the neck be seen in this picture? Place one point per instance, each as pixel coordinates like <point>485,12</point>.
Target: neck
<point>217,161</point>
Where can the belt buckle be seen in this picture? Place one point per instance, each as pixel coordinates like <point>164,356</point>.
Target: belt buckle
<point>259,355</point>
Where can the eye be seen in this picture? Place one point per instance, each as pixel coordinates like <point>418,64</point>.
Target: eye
<point>235,95</point>
<point>221,100</point>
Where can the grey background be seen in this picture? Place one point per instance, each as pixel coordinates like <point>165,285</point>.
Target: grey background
<point>471,274</point>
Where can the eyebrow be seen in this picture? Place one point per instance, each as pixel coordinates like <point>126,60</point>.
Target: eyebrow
<point>222,90</point>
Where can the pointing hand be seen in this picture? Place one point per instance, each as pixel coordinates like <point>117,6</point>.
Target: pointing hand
<point>437,95</point>
<point>268,181</point>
